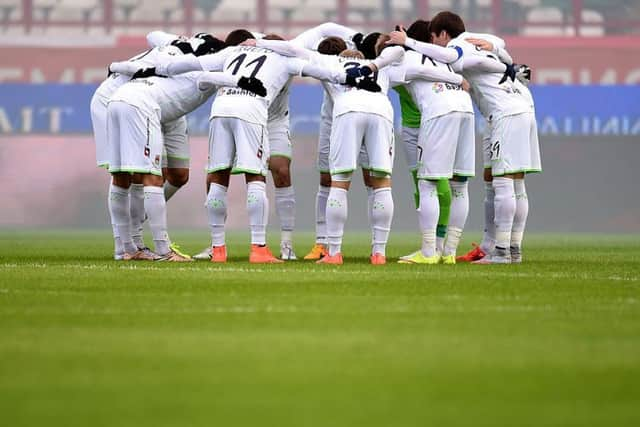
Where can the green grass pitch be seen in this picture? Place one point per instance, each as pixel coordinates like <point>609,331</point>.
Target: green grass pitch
<point>86,341</point>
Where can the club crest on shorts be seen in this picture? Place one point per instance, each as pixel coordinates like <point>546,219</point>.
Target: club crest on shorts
<point>157,160</point>
<point>438,87</point>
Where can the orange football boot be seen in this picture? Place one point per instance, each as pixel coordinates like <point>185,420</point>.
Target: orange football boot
<point>329,259</point>
<point>378,259</point>
<point>318,251</point>
<point>262,255</point>
<point>473,255</point>
<point>219,254</point>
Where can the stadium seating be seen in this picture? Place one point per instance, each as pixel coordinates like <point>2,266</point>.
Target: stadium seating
<point>528,17</point>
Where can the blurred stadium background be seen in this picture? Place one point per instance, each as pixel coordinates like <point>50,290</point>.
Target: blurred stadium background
<point>584,54</point>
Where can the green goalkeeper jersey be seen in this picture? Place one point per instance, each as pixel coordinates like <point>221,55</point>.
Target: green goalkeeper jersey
<point>409,110</point>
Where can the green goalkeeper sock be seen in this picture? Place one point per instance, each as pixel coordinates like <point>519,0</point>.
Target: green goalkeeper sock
<point>416,192</point>
<point>444,198</point>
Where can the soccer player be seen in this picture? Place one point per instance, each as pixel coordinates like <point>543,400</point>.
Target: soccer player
<point>445,150</point>
<point>411,129</point>
<point>508,106</point>
<point>329,39</point>
<point>237,133</point>
<point>98,107</point>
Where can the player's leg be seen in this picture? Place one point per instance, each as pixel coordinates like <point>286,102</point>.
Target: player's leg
<point>155,205</point>
<point>176,162</point>
<point>444,200</point>
<point>433,165</point>
<point>98,108</point>
<point>220,159</point>
<point>136,196</point>
<point>463,162</point>
<point>410,149</point>
<point>319,249</point>
<point>505,147</point>
<point>346,134</point>
<point>489,235</point>
<point>380,148</point>
<point>280,167</point>
<point>252,151</point>
<point>529,162</point>
<point>118,201</point>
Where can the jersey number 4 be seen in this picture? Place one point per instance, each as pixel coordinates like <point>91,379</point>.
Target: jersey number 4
<point>239,60</point>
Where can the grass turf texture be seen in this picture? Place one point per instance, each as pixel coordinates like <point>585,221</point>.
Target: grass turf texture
<point>88,341</point>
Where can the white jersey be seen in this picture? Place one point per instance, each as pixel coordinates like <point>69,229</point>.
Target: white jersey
<point>279,107</point>
<point>435,99</point>
<point>349,99</point>
<point>272,69</point>
<point>174,96</point>
<point>143,60</point>
<point>493,99</point>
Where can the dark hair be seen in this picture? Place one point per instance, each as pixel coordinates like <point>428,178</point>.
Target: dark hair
<point>273,36</point>
<point>368,46</point>
<point>184,46</point>
<point>332,46</point>
<point>235,37</point>
<point>449,22</point>
<point>381,44</point>
<point>419,30</point>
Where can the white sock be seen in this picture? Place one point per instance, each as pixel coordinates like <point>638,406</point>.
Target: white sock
<point>156,208</point>
<point>136,197</point>
<point>321,214</point>
<point>216,204</point>
<point>337,211</point>
<point>370,208</point>
<point>258,209</point>
<point>119,209</point>
<point>381,217</point>
<point>458,215</point>
<point>428,215</point>
<point>522,212</point>
<point>489,236</point>
<point>169,190</point>
<point>439,242</point>
<point>286,210</point>
<point>505,207</point>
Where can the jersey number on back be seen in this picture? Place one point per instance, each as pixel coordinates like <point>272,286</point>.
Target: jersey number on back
<point>239,60</point>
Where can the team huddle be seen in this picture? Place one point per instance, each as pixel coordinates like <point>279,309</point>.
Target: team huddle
<point>439,71</point>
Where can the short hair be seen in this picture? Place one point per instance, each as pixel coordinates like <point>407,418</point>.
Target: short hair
<point>449,22</point>
<point>235,37</point>
<point>332,46</point>
<point>420,31</point>
<point>368,46</point>
<point>273,36</point>
<point>381,44</point>
<point>210,44</point>
<point>350,53</point>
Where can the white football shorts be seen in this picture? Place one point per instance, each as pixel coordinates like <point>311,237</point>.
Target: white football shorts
<point>237,144</point>
<point>324,142</point>
<point>135,139</point>
<point>176,144</point>
<point>410,146</point>
<point>356,130</point>
<point>446,146</point>
<point>99,122</point>
<point>280,138</point>
<point>486,146</point>
<point>514,145</point>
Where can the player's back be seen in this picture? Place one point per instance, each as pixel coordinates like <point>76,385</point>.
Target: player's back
<point>435,98</point>
<point>494,99</point>
<point>246,61</point>
<point>347,99</point>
